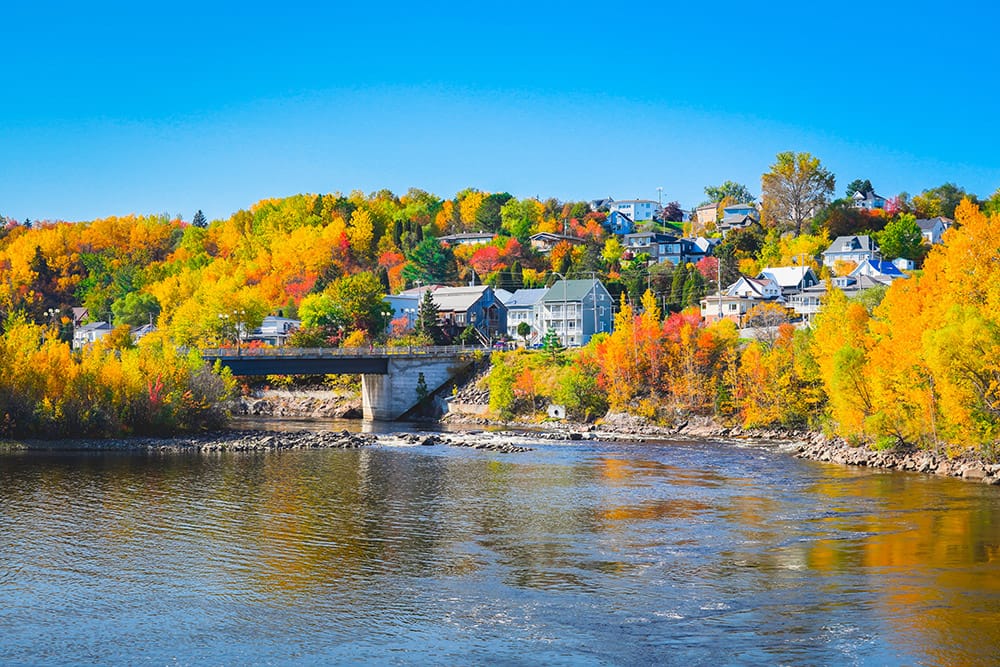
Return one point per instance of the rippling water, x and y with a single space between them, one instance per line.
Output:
587 553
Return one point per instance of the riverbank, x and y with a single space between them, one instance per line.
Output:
253 440
800 443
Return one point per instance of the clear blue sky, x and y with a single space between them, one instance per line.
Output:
116 108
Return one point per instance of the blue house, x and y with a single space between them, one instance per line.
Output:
619 223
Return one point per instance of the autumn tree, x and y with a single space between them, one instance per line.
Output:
940 201
794 190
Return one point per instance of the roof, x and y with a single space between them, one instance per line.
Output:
502 295
569 290
655 237
856 243
551 235
635 201
467 236
928 224
878 267
786 276
458 299
94 326
525 298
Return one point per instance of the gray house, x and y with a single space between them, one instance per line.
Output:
575 310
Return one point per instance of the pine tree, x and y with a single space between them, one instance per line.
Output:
427 319
199 220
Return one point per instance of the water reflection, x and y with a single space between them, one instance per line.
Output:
587 552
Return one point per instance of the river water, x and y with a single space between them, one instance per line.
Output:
581 553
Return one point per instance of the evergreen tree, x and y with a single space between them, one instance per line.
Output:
427 319
199 220
677 287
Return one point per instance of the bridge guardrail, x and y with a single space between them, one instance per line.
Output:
332 352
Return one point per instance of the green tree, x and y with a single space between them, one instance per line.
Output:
427 319
901 238
524 330
431 262
199 220
794 190
136 308
857 185
551 344
353 302
735 192
488 215
519 218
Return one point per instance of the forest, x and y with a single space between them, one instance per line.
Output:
916 364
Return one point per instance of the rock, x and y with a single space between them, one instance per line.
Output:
974 471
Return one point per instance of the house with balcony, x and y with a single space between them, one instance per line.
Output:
791 279
575 310
460 307
521 307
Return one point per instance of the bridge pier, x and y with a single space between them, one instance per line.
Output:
387 397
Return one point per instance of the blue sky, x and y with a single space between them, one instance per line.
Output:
116 108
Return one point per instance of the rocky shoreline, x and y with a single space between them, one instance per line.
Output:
515 437
251 441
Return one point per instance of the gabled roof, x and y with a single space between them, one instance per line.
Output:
458 299
569 290
786 276
877 268
853 243
94 326
756 285
927 224
525 298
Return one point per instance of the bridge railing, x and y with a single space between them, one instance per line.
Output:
336 352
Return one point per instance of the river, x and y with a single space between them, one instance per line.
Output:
574 553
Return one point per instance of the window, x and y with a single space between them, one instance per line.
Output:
732 306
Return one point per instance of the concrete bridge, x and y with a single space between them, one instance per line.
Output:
389 375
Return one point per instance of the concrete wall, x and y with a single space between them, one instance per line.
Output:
388 397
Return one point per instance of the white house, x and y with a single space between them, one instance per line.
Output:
933 229
575 310
857 249
737 299
521 308
274 330
637 209
90 333
790 279
867 200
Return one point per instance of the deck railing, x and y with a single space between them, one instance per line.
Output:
336 352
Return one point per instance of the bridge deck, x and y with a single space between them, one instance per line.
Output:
326 360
